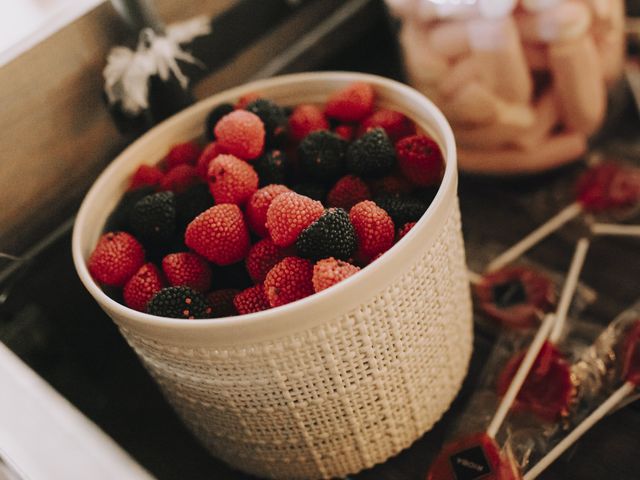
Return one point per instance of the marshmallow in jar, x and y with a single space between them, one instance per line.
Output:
522 82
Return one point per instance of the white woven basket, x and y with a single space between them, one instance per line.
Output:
336 382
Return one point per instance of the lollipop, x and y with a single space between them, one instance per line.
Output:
603 188
630 359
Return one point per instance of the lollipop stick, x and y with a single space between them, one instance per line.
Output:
521 375
619 395
569 288
536 236
613 229
474 278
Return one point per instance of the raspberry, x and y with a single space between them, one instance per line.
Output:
191 203
241 133
322 155
214 116
374 229
608 186
351 104
140 288
330 271
306 119
371 155
231 180
348 191
153 218
183 153
258 206
179 302
346 132
146 176
394 123
402 208
402 231
271 167
246 99
288 281
289 214
251 300
261 258
273 118
187 269
179 178
331 235
221 302
219 234
210 152
420 160
116 258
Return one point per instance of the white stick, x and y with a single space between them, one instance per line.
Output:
536 236
613 229
521 375
580 430
474 278
569 288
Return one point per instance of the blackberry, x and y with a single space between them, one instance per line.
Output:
271 168
153 219
372 155
119 218
314 191
274 118
332 235
401 208
192 203
322 155
214 115
179 302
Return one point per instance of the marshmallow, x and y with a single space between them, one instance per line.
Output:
402 8
539 5
547 117
496 44
465 70
554 152
563 22
425 68
449 39
536 56
578 83
474 104
601 9
611 50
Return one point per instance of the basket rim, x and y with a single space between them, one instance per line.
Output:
436 213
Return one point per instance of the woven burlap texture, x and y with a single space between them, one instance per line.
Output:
339 397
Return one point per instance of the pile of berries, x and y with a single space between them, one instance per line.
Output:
279 204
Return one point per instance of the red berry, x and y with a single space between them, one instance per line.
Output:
289 214
261 258
394 123
183 153
187 269
390 184
306 119
347 132
179 179
146 175
402 231
144 284
351 104
608 186
247 98
251 300
374 229
288 281
231 180
258 206
329 271
348 191
241 133
219 234
420 160
221 302
210 152
116 258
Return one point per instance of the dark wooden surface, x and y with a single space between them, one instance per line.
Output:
52 323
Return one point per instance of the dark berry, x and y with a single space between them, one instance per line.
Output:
179 302
371 155
153 219
271 168
230 276
314 191
331 235
322 155
216 114
402 208
273 117
191 203
119 218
